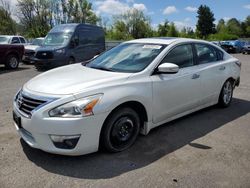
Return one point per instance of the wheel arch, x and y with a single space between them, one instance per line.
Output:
133 104
13 53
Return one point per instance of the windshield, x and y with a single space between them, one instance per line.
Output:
37 42
4 40
57 39
128 57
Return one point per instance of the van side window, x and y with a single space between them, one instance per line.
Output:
181 55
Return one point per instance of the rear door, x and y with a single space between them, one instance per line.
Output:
213 71
174 94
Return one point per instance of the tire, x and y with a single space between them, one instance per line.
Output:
226 94
71 61
12 62
120 130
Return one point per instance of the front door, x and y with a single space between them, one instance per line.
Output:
174 94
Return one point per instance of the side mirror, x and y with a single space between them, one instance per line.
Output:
168 68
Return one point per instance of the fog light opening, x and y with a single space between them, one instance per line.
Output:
65 142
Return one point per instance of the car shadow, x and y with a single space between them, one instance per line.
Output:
158 143
5 70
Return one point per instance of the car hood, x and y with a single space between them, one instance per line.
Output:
31 47
49 48
73 79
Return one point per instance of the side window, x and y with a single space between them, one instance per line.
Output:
75 39
22 40
15 40
181 55
205 53
83 37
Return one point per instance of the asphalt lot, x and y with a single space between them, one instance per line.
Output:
210 148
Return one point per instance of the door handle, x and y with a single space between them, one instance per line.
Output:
195 76
222 68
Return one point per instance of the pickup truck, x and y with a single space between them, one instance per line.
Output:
11 55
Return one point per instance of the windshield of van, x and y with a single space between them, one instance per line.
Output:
127 57
57 39
37 42
4 40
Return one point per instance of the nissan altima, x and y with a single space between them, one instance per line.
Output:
128 90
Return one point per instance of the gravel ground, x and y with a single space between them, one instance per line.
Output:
210 148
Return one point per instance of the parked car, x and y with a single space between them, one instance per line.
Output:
10 55
218 43
246 48
8 39
132 88
31 49
232 46
70 43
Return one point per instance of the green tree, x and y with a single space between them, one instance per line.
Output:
163 28
234 27
134 24
245 27
221 26
205 25
172 32
78 11
35 17
7 24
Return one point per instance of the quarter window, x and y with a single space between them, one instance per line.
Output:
181 55
205 53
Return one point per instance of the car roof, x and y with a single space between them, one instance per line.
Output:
11 36
164 40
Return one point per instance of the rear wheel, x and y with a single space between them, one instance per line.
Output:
226 94
12 62
120 130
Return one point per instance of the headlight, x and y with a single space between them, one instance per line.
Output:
60 51
78 108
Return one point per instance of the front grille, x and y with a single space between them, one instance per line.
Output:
44 55
27 104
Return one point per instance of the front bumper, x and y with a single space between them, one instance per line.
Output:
50 63
36 132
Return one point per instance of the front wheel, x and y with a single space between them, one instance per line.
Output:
71 61
226 94
120 130
12 62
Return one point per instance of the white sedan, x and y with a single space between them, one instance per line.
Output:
130 89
